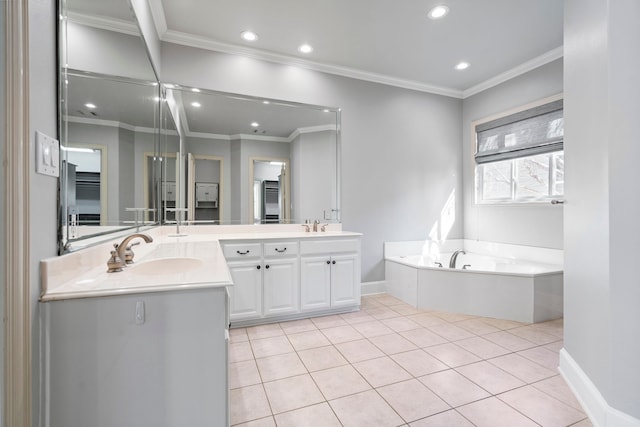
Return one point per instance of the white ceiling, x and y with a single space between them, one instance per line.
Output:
386 41
380 40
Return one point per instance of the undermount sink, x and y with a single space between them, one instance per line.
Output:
162 266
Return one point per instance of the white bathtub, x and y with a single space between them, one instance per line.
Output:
505 287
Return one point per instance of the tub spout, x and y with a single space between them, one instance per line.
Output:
454 257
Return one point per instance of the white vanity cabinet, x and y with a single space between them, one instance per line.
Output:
330 274
290 278
281 278
265 277
245 264
149 359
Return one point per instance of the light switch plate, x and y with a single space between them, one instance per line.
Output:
47 155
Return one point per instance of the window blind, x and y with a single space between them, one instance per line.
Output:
535 131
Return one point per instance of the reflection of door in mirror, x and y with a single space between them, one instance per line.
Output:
85 179
269 193
205 188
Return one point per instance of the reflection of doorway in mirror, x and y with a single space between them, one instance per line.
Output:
162 184
270 183
88 165
205 188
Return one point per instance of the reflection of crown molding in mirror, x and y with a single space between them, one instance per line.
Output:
104 23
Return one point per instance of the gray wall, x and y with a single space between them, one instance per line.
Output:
401 149
533 225
42 189
3 190
602 106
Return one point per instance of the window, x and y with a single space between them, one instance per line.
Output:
519 157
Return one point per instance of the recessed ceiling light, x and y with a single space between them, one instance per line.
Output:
90 105
438 12
255 124
326 110
305 48
196 104
462 66
195 89
266 102
249 36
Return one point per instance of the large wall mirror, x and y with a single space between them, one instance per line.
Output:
247 160
109 123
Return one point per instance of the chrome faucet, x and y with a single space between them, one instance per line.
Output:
119 254
454 256
315 225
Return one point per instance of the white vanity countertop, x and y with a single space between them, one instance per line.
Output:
169 263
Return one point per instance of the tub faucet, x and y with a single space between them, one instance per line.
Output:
454 256
118 256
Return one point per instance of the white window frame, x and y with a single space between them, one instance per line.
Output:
477 168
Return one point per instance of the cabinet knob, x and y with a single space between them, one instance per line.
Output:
266 266
258 267
333 262
328 262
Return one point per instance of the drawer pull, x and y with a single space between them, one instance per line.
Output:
281 250
328 262
243 253
333 262
258 267
266 266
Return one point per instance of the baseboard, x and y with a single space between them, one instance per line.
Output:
592 401
372 288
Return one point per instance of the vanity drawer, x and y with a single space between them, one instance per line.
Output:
280 249
329 246
237 251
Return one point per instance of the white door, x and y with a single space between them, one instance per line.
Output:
345 289
280 282
245 296
315 283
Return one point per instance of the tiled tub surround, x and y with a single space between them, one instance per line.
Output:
391 364
510 282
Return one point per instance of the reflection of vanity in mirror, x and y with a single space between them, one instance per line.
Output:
263 161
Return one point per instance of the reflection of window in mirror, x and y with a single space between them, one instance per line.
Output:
270 191
86 184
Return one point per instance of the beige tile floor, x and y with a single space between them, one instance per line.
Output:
393 365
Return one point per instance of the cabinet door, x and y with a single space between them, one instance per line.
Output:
280 286
315 283
345 283
245 296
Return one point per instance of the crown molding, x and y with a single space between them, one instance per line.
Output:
104 23
159 18
191 40
532 64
